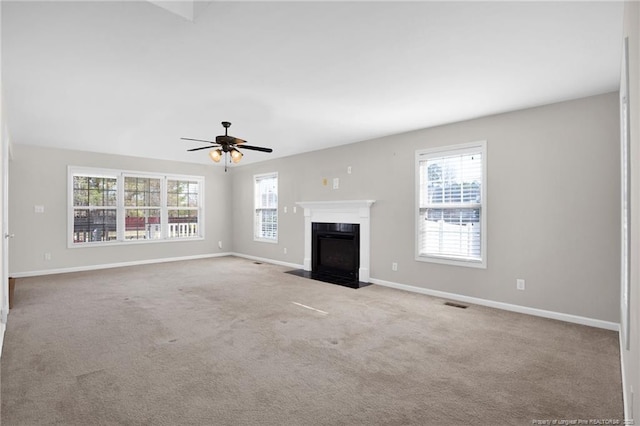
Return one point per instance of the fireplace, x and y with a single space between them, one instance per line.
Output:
343 217
335 252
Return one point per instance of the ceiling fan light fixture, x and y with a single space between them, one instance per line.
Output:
225 144
236 155
215 155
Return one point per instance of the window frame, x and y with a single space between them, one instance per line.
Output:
445 151
103 174
121 208
257 237
167 208
163 196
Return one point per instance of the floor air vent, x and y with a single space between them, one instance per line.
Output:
456 305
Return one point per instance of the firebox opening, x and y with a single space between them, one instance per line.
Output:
336 252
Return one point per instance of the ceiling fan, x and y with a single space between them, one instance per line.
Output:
228 145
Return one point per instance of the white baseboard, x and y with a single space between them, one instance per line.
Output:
112 265
614 326
626 399
3 328
265 260
453 296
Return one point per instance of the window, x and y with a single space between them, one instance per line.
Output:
451 213
94 208
266 207
142 202
113 206
183 205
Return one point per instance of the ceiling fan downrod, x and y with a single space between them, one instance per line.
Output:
226 125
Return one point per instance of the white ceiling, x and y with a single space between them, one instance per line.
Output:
132 78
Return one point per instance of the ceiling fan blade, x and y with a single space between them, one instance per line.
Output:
229 139
256 148
202 147
197 140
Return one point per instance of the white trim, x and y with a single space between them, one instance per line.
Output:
575 319
106 172
133 242
113 265
436 152
435 293
626 401
148 262
614 326
449 260
264 240
5 157
336 204
265 260
625 198
3 328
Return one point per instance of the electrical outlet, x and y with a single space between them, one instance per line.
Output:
394 266
285 250
47 256
38 209
219 244
285 209
336 183
520 284
349 170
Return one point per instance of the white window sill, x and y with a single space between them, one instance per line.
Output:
265 240
131 242
452 261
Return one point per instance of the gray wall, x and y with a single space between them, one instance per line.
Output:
553 206
38 176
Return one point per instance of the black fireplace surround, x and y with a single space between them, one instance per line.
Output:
335 253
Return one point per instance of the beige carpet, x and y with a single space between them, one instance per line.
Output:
228 342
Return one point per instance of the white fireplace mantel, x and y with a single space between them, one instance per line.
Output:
347 211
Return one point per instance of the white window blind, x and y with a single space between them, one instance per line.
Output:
266 207
450 194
